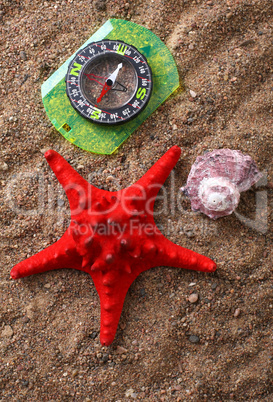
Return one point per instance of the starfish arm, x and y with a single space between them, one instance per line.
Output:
176 256
112 292
155 177
58 255
77 189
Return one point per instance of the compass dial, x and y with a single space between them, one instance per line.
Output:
109 82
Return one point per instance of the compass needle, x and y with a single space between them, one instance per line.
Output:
104 91
110 82
113 76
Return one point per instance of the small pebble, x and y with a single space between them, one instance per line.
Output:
23 55
105 357
189 233
237 312
194 339
3 166
193 94
7 332
191 46
130 393
193 298
120 350
93 334
100 5
109 178
142 292
60 202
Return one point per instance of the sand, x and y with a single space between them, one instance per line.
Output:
218 348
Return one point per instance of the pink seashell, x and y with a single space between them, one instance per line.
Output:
216 180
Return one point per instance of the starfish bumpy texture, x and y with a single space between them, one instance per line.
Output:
112 236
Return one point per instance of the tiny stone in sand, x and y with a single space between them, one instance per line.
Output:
193 298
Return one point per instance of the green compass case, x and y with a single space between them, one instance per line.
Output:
105 139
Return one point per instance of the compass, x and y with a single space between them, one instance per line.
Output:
109 82
121 74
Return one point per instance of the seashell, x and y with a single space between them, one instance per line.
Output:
216 180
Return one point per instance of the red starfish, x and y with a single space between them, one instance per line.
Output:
112 236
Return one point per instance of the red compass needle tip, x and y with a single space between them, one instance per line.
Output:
105 89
